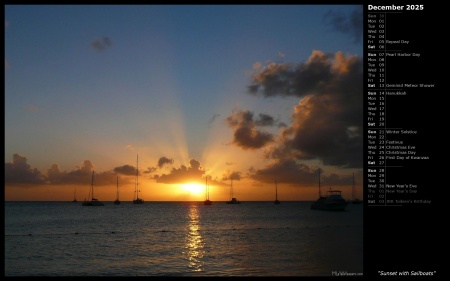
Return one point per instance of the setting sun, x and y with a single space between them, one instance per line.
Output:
194 188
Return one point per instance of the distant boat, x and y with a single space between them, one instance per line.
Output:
91 200
137 200
332 201
276 202
117 201
233 200
207 201
355 200
75 196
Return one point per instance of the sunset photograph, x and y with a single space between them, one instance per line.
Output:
183 140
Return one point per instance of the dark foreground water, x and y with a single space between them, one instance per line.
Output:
181 239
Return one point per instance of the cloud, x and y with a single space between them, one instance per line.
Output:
286 171
20 172
246 134
184 174
213 118
232 175
126 170
101 44
164 160
327 121
81 175
351 25
298 174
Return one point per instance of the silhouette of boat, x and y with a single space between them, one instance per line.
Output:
233 200
75 196
91 200
332 201
276 202
117 201
137 200
207 201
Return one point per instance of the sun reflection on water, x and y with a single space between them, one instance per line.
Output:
194 242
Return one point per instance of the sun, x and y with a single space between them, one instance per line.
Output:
194 188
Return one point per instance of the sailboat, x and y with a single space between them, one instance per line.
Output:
207 201
75 195
332 201
117 201
276 194
233 199
91 200
137 200
355 200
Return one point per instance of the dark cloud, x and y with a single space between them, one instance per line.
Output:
184 174
126 170
286 171
101 44
164 160
264 120
213 118
20 172
246 135
327 122
81 175
232 175
297 174
351 25
150 170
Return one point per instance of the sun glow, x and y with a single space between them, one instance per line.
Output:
194 188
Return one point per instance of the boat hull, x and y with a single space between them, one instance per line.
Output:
233 201
93 203
329 204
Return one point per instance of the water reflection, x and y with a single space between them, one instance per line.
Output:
194 241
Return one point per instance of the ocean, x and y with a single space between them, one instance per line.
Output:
181 239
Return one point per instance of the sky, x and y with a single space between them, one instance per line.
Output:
257 97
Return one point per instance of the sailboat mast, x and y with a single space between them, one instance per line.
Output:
231 189
117 187
320 195
353 187
276 190
92 185
137 176
206 186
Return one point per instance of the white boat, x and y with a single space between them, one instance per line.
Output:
137 200
332 201
207 201
91 200
276 202
117 201
233 200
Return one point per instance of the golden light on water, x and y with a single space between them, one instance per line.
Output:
194 241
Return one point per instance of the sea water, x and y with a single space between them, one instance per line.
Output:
181 239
